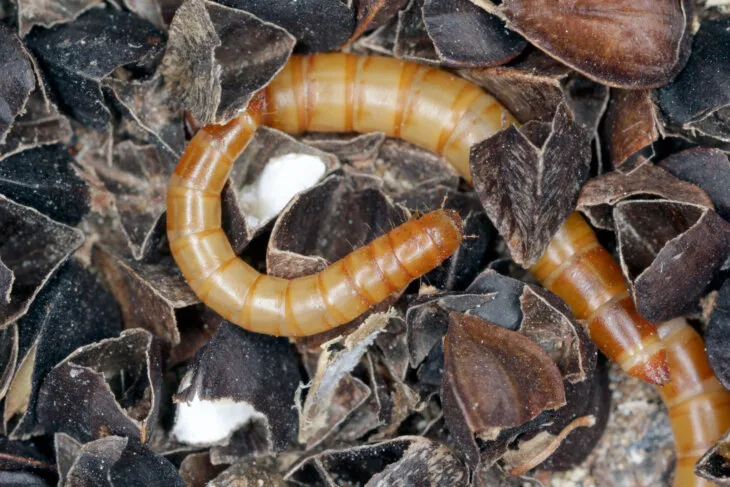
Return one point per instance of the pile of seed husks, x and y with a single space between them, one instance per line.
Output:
113 373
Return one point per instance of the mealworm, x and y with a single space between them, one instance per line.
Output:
699 406
324 93
446 114
341 92
578 269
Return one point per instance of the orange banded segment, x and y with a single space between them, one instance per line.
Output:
699 406
579 270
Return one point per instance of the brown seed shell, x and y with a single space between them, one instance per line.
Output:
491 370
625 43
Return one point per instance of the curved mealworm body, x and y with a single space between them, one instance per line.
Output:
342 92
578 269
699 406
332 92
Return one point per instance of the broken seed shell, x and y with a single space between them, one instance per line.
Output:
17 81
625 44
718 334
120 376
484 368
46 178
487 42
217 58
669 252
27 232
601 194
318 25
528 187
707 168
250 369
71 310
76 66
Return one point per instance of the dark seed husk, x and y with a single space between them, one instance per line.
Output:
600 195
248 367
71 310
46 178
713 465
27 232
21 479
427 321
487 43
17 81
380 464
327 221
121 376
152 113
318 25
66 449
670 253
138 465
549 323
528 187
359 151
717 336
75 65
90 462
531 88
699 89
217 58
411 39
22 456
507 291
406 168
707 168
148 293
115 461
40 124
137 179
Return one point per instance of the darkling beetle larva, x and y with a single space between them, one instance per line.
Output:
341 92
446 114
699 406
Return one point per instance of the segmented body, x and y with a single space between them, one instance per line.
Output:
341 92
699 406
333 92
446 114
578 269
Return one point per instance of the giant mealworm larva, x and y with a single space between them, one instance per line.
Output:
699 406
578 269
342 92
